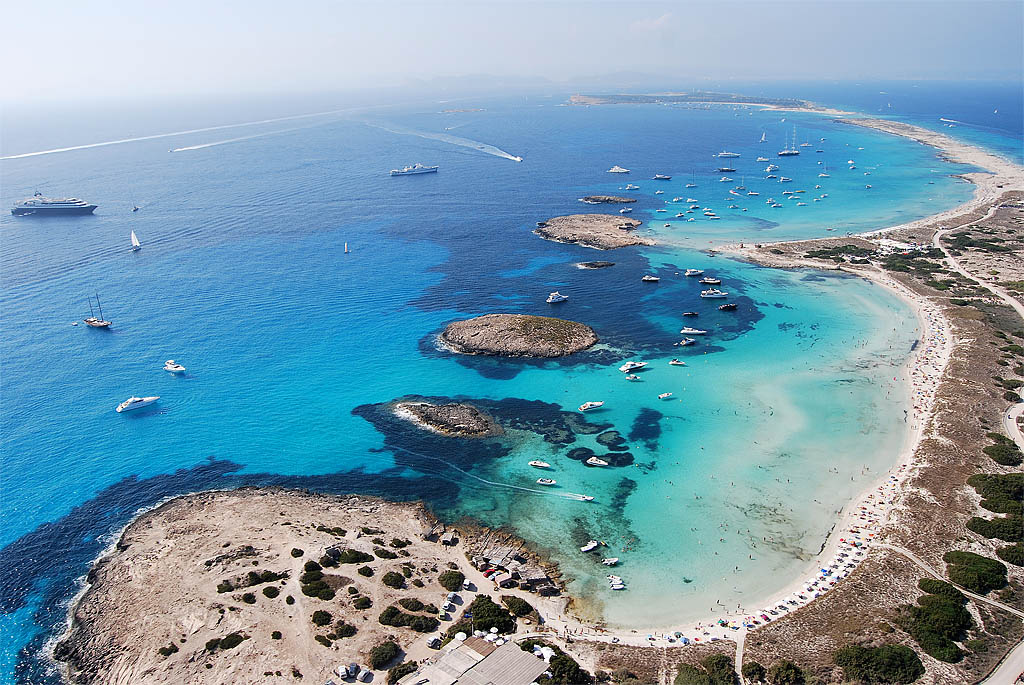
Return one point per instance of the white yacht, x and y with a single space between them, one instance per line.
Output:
632 186
537 464
785 179
753 192
625 210
650 279
587 406
618 170
708 280
713 294
632 366
610 561
659 192
693 272
725 179
173 366
662 177
689 330
686 342
546 481
595 461
664 396
556 297
135 403
692 200
723 155
762 159
676 362
590 546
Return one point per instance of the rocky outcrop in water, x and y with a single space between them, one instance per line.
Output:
606 199
454 419
518 335
594 265
599 231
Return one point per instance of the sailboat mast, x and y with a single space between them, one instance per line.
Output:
92 314
99 306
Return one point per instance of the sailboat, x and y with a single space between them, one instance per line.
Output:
693 181
136 245
762 137
93 320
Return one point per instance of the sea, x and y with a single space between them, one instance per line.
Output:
303 288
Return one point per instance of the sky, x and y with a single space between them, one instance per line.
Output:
107 48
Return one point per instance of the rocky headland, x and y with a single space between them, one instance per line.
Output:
599 231
518 335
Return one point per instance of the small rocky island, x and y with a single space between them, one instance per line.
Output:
594 265
600 231
606 199
455 419
518 335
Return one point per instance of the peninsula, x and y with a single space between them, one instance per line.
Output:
518 335
599 231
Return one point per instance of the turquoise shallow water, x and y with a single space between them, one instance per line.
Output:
291 345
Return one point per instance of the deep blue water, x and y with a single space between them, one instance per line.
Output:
292 346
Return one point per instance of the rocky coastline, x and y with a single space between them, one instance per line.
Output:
518 335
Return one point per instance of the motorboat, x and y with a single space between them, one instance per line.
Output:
785 179
692 200
694 272
689 330
173 366
762 159
625 210
537 464
595 461
686 342
632 366
771 167
661 210
545 481
610 561
556 297
728 307
676 362
650 279
135 403
752 192
618 170
691 185
582 498
664 396
662 177
708 280
725 179
632 186
729 155
659 192
587 406
632 377
590 546
690 314
724 170
713 293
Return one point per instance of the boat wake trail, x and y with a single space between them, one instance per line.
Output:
446 138
236 140
487 482
174 133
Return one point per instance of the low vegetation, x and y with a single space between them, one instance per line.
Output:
976 573
517 605
383 654
393 616
393 580
452 580
716 669
885 664
938 620
400 671
562 667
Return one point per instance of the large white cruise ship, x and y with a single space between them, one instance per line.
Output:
414 169
37 205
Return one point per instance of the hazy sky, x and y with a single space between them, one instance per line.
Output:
113 48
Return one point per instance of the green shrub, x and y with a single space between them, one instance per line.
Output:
786 673
398 543
321 617
289 600
393 616
249 598
563 668
517 605
384 553
168 650
393 580
720 668
328 562
975 572
354 556
1006 528
452 580
276 635
411 604
383 654
885 664
487 615
1000 493
324 640
271 591
400 671
1005 454
362 603
370 531
345 630
691 675
311 566
212 644
296 552
225 586
933 586
365 571
1012 554
937 622
754 672
311 576
231 640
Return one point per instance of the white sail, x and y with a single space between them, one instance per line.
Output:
136 245
762 137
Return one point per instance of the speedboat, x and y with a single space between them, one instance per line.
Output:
618 170
595 461
537 464
135 403
729 307
173 366
632 186
582 498
685 342
693 272
590 546
676 362
664 396
680 215
725 179
661 210
625 210
692 199
785 179
713 293
659 192
725 170
752 192
632 377
556 297
689 330
708 280
650 279
691 185
610 561
762 159
725 154
587 406
545 481
771 167
632 366
662 177
690 314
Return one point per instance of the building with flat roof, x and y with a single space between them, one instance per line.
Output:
476 661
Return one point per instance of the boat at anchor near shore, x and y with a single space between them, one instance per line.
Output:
587 406
538 464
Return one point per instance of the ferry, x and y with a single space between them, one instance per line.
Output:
556 297
414 169
135 403
595 461
537 464
632 366
729 155
713 294
618 170
587 406
37 205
